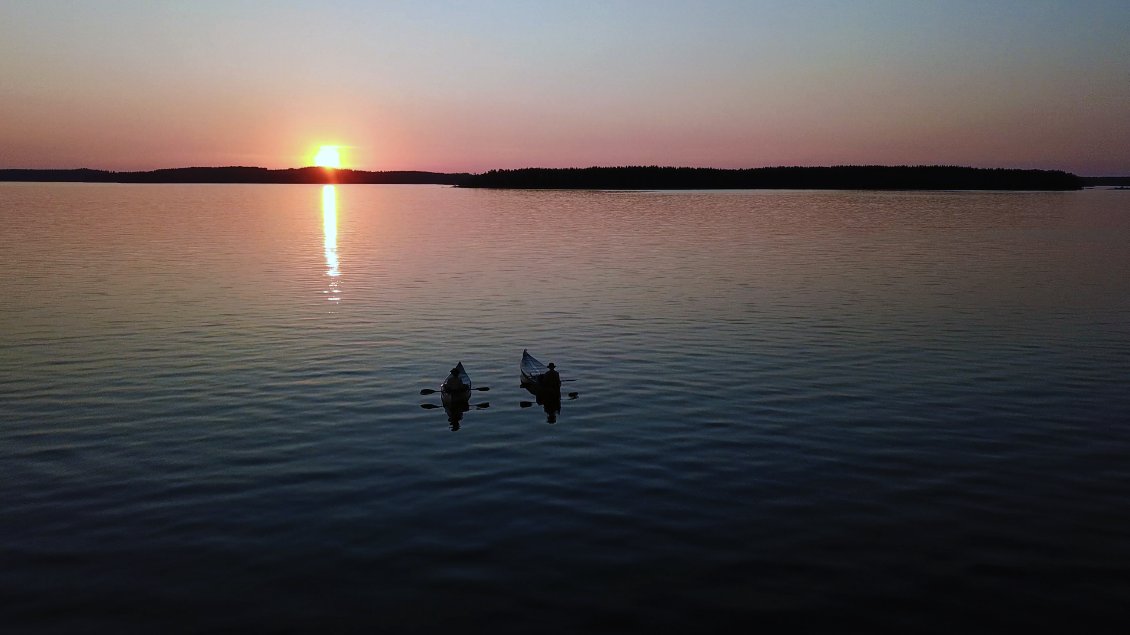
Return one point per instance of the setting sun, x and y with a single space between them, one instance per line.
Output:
328 157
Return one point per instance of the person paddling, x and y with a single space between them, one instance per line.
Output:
454 383
551 379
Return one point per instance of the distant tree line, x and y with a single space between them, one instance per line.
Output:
861 177
852 177
235 175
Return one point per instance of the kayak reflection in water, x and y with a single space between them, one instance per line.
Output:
548 399
455 404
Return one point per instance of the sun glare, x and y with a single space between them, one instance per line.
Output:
328 157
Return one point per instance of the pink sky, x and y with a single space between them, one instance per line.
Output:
469 87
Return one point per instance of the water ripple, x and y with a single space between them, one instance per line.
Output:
796 409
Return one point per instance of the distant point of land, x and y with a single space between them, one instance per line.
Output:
852 177
1118 182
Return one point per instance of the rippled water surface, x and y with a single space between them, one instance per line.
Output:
865 410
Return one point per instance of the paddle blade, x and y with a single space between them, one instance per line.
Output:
428 406
525 404
483 388
428 391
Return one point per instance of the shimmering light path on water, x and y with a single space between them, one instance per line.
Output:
899 410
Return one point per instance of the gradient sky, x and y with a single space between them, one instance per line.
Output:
469 86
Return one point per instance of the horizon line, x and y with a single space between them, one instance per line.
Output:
588 167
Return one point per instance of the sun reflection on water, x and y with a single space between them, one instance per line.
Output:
329 229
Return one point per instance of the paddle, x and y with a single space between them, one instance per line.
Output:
477 406
431 391
527 404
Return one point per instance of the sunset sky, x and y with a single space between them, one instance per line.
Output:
469 86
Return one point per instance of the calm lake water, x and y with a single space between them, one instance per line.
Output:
858 410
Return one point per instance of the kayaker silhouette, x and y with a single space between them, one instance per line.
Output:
453 381
551 379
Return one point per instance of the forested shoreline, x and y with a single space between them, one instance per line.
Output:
605 178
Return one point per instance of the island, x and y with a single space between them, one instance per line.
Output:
236 174
851 177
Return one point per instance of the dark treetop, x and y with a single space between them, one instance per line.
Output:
802 178
621 178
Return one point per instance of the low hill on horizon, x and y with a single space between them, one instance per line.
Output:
852 177
849 177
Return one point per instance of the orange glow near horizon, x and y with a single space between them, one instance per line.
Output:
328 157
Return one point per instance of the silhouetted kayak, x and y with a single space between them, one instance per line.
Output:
545 391
462 388
532 369
533 374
